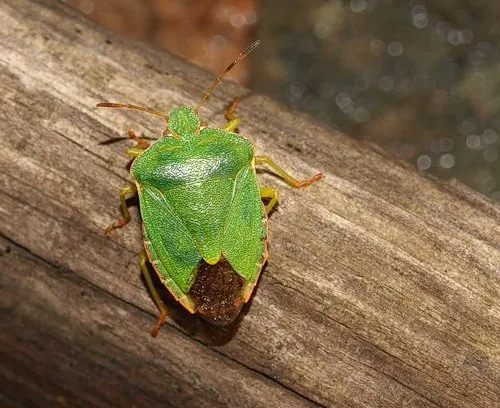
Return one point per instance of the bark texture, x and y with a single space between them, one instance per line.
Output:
381 290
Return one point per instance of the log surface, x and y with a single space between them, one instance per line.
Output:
381 290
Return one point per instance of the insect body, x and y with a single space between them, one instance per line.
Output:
204 222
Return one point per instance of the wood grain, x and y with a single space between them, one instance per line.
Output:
382 287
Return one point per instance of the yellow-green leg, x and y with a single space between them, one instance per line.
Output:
141 145
272 194
284 175
162 317
232 120
128 190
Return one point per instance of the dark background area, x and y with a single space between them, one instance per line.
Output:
419 78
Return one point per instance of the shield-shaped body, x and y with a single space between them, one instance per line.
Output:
204 223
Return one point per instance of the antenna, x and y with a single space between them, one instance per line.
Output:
219 78
129 106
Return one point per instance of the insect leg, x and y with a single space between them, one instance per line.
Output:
232 120
141 142
162 317
284 175
272 193
134 151
141 145
129 189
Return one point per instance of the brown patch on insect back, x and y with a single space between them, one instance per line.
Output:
217 292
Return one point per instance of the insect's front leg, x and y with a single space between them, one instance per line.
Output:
232 120
284 175
128 190
141 145
162 317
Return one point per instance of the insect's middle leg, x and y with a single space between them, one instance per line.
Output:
284 175
232 120
162 317
272 194
128 190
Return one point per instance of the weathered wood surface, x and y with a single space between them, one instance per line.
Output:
382 288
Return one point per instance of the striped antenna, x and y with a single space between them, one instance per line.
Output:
219 78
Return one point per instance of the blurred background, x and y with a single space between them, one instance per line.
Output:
419 78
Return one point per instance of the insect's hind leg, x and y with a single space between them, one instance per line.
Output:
128 190
162 317
232 120
272 194
284 175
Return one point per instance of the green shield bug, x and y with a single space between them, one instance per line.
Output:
203 218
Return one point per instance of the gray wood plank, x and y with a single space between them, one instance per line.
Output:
381 290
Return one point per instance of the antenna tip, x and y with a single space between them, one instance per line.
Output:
252 46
